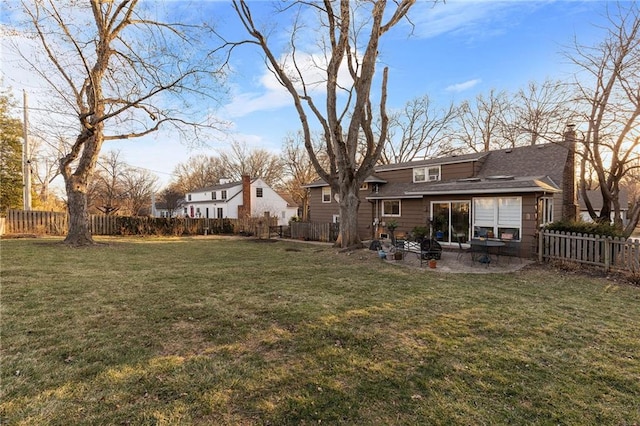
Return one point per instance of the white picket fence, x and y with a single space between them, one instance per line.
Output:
617 254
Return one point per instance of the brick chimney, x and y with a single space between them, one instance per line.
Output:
245 209
569 199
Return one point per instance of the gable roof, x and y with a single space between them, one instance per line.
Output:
218 187
287 197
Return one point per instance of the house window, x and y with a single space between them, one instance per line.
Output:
189 197
450 220
426 174
220 214
326 194
391 208
223 195
433 173
499 217
545 210
213 195
259 192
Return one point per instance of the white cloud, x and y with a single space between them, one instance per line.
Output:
473 18
460 87
271 95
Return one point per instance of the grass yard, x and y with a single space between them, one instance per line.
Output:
232 331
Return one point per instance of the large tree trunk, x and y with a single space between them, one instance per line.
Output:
79 233
349 204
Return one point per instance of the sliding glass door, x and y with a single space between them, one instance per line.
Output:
450 220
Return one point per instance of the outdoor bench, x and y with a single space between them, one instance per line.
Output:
425 250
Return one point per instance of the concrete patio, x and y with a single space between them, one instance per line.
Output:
452 263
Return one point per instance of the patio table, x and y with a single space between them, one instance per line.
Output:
484 246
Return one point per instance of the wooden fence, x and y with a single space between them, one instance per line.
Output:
57 223
609 253
326 232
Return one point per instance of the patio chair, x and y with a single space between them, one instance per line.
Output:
511 250
463 251
430 249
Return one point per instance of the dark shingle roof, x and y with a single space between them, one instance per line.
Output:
217 187
465 186
320 182
533 160
463 158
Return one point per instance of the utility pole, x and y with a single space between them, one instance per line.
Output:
26 163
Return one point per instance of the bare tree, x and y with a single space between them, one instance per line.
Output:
608 88
480 125
105 189
299 171
256 162
172 197
419 130
200 171
542 112
138 186
350 34
115 67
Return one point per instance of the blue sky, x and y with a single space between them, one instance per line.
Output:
456 51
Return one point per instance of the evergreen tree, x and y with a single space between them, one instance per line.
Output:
10 157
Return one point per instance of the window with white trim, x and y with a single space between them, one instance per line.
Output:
259 192
497 217
545 210
326 194
426 174
391 208
223 195
213 195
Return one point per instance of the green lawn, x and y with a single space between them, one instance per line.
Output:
224 331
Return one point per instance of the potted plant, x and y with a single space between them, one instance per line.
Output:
391 227
432 263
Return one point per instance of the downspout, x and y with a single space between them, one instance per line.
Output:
374 225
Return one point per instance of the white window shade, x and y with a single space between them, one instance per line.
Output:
509 211
484 211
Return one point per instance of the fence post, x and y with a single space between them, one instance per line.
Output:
541 235
607 252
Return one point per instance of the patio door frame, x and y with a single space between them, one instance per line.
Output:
448 233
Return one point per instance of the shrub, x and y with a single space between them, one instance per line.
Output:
420 232
580 227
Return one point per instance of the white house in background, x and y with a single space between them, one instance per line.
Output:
233 200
